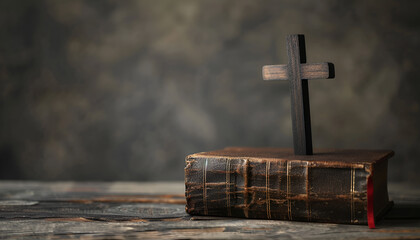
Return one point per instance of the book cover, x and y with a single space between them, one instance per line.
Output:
273 183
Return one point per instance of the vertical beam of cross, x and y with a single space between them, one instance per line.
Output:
298 73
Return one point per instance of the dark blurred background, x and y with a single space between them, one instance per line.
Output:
124 90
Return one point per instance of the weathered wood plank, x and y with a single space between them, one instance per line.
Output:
31 187
69 210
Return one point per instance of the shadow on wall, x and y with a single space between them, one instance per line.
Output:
116 90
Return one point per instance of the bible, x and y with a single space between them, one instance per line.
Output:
335 186
325 185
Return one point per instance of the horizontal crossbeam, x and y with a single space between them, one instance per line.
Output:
307 71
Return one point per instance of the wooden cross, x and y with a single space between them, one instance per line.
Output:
298 72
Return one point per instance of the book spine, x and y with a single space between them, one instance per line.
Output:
276 189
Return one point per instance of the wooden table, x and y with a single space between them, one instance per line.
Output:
121 210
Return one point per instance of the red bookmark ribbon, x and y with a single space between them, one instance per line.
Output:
370 213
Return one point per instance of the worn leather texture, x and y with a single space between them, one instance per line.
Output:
272 183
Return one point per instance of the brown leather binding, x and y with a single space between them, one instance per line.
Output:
273 183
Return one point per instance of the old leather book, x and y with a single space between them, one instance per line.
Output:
335 186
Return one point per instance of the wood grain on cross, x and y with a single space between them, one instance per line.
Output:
298 72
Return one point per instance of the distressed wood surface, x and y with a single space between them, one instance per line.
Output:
39 210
